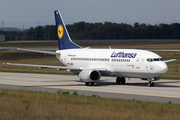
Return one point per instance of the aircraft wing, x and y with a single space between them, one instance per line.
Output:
39 51
44 66
56 67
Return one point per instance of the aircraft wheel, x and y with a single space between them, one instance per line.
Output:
92 83
87 83
123 80
118 80
150 84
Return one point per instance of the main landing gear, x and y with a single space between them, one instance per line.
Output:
150 84
120 80
89 83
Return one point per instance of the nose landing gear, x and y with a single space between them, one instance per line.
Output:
150 84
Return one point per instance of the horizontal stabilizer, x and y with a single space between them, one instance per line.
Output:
38 51
165 50
166 61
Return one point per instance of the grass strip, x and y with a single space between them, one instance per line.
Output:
18 104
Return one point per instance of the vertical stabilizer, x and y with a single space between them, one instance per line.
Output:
64 41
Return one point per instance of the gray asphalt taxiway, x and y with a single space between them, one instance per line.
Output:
165 90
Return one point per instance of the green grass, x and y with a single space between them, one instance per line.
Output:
17 104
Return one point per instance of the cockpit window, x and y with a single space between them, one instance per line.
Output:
154 59
161 59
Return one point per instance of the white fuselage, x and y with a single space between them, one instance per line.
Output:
118 62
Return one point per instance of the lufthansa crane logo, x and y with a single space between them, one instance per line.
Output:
60 31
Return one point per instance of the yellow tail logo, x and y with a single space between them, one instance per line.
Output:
60 31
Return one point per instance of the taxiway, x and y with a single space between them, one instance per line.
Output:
165 90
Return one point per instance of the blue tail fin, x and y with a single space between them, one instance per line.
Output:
64 41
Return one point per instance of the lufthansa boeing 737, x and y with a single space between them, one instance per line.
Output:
91 64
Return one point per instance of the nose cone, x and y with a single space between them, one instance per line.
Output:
162 67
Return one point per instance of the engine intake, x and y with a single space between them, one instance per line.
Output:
89 75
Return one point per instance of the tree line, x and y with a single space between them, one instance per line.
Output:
99 31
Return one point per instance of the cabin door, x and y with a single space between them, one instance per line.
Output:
138 60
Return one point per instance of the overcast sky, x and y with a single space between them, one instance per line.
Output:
19 13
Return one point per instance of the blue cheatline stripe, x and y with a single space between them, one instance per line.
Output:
64 41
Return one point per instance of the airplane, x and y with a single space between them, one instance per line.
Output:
91 64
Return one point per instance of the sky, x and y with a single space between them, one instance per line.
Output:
31 13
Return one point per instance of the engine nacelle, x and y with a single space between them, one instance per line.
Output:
89 75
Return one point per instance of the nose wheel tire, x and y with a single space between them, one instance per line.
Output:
150 84
120 80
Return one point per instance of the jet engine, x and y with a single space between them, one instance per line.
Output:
89 75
